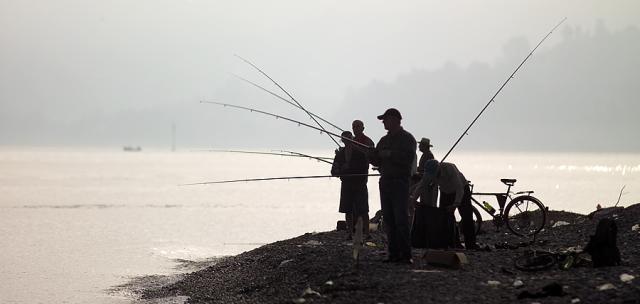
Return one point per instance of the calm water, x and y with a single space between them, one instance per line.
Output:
74 223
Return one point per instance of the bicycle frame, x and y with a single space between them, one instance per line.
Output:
501 197
506 201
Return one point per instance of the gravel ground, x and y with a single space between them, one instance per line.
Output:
319 268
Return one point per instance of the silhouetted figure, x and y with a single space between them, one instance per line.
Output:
360 165
354 197
429 195
424 145
394 155
603 246
454 193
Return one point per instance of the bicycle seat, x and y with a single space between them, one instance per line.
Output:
508 181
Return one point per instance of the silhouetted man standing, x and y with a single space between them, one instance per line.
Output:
361 166
394 155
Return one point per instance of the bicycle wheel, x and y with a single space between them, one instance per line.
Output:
477 220
525 215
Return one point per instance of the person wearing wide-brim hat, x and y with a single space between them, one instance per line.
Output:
424 145
394 155
429 194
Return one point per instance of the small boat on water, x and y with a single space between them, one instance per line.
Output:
131 149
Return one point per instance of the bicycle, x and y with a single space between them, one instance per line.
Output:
524 214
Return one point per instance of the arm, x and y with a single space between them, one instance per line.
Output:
372 154
458 182
422 184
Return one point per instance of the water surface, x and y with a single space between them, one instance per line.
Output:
76 222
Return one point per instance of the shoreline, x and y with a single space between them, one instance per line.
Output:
319 268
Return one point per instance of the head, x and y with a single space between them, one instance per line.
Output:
391 119
346 134
358 127
424 144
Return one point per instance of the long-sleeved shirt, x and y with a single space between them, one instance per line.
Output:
451 180
395 153
448 178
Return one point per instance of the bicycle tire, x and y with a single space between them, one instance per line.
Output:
527 222
477 221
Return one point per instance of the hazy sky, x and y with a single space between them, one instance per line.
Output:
71 70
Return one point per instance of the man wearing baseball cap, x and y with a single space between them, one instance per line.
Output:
394 155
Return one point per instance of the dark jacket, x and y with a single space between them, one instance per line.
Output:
350 162
402 147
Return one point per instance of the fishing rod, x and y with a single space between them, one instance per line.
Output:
285 91
501 87
286 153
358 144
292 153
277 178
285 100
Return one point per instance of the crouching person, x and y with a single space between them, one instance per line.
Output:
454 193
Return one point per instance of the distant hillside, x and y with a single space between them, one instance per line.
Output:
578 92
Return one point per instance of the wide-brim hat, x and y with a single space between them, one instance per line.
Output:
425 141
391 112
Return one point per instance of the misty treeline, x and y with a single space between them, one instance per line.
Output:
577 93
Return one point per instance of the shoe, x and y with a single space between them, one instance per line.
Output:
473 247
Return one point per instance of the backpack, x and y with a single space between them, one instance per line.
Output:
602 246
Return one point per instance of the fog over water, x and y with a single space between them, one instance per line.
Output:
121 72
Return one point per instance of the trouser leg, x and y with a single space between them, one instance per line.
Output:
365 221
466 213
394 195
403 230
349 219
388 217
363 210
447 199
